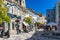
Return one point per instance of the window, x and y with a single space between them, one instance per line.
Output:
48 15
52 11
9 26
20 2
59 9
48 20
13 26
23 2
12 9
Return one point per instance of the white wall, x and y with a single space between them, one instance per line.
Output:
23 4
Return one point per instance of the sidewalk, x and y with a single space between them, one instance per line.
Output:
24 36
12 32
38 35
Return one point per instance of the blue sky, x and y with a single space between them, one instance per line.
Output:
40 5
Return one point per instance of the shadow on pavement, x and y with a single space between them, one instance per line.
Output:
40 35
36 36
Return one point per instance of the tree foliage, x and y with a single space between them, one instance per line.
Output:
28 20
3 12
37 23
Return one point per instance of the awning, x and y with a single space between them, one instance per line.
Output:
17 20
51 23
11 15
26 24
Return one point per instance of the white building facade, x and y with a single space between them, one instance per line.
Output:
17 10
42 20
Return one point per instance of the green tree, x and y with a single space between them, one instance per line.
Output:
37 23
28 20
3 12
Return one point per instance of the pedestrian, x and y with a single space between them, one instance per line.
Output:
17 28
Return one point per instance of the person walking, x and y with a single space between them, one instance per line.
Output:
17 28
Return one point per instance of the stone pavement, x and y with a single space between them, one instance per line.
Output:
13 32
30 36
21 36
38 35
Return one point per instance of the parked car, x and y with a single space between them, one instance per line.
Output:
54 27
51 28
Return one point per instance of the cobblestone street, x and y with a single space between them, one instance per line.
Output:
38 35
21 36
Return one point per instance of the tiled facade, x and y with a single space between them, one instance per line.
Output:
50 13
58 15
